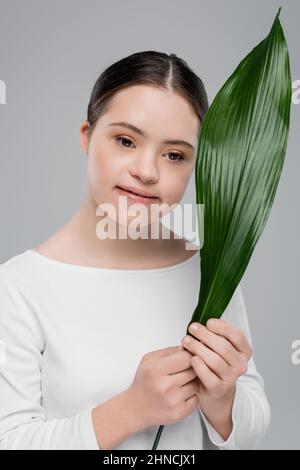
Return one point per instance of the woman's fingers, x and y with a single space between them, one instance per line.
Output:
174 363
190 389
212 360
181 378
235 335
211 383
216 343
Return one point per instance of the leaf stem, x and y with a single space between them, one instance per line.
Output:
160 430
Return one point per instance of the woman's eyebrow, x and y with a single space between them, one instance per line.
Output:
143 134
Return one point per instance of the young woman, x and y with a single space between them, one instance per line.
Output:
91 329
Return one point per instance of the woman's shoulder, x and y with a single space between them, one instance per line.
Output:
14 275
14 265
21 273
19 317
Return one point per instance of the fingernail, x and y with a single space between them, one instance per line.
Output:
186 339
194 326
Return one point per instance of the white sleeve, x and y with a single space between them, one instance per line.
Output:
23 422
251 410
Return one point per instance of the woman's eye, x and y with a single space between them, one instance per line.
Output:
124 139
178 155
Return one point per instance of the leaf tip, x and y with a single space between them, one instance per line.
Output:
278 13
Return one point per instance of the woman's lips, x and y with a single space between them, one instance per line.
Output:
135 198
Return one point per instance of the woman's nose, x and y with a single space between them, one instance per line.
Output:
145 167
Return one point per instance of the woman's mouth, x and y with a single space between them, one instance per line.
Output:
137 198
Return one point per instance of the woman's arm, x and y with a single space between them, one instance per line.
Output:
232 401
23 421
115 420
250 414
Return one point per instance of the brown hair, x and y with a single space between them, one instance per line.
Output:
149 68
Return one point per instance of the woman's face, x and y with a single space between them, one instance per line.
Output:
122 156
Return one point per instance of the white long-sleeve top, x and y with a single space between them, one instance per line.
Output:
72 337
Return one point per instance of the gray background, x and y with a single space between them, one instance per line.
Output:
51 53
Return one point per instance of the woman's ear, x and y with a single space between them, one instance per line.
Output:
84 136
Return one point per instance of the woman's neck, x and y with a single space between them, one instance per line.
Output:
78 242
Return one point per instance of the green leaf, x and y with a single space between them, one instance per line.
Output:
240 155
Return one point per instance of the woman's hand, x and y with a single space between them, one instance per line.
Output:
164 389
221 354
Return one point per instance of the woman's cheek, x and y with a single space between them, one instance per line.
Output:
94 175
176 190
